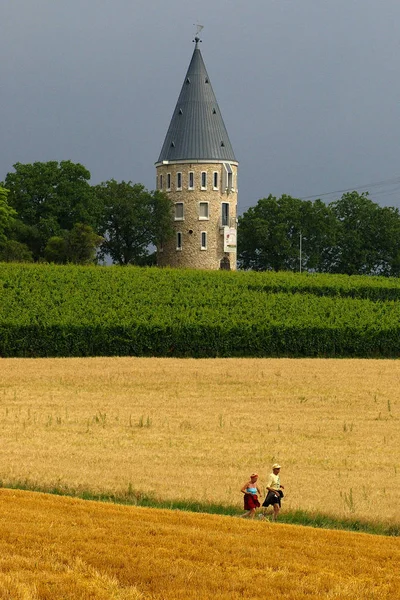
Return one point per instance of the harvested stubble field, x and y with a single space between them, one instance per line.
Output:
63 548
195 429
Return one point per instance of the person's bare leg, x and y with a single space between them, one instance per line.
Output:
276 511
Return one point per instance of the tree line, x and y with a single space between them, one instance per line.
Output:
50 212
352 235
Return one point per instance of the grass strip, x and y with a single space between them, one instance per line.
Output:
136 498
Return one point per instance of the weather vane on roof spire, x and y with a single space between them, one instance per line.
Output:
198 29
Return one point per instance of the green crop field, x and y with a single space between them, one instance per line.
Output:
48 310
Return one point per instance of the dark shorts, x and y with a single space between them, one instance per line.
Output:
251 501
273 498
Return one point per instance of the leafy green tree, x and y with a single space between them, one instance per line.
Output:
368 240
269 234
56 250
321 229
390 238
265 234
78 246
352 235
7 213
10 250
134 219
82 244
49 199
13 251
26 235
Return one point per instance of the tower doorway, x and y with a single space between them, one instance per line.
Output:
225 264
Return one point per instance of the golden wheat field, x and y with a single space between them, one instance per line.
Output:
54 548
195 429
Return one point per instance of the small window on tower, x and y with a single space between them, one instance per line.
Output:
203 240
179 214
203 180
187 80
191 180
161 182
215 180
203 211
179 181
168 182
179 240
225 214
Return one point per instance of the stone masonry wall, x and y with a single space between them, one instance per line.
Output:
192 255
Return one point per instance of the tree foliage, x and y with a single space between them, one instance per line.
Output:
50 198
133 219
7 213
77 246
269 234
352 235
13 251
59 217
368 236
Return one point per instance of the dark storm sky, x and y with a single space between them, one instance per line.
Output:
309 89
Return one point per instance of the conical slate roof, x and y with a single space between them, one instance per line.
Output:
197 130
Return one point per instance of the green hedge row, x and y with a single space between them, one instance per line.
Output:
48 310
197 342
362 287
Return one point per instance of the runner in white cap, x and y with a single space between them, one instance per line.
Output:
274 491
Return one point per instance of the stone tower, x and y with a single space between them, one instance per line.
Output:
198 170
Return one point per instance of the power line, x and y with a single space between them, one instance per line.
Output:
368 186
